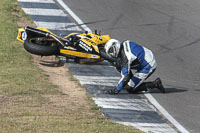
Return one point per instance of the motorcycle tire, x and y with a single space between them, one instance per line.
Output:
42 50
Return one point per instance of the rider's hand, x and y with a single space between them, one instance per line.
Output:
113 91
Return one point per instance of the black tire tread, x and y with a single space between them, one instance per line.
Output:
40 49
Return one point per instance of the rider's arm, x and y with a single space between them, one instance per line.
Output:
124 79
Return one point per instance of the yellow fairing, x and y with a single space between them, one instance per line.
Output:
90 43
79 54
19 37
21 30
100 39
92 39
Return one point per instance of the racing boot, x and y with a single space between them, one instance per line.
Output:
155 84
146 86
158 85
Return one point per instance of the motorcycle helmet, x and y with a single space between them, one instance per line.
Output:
112 47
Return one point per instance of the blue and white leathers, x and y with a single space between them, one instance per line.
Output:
147 64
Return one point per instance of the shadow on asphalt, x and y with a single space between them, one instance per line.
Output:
169 90
100 89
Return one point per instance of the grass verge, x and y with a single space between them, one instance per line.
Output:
26 93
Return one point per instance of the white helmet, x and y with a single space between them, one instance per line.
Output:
112 47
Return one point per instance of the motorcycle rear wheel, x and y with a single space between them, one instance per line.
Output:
39 49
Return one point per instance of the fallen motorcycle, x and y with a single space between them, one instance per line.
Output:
77 46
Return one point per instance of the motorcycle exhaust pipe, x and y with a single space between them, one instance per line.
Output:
37 31
42 33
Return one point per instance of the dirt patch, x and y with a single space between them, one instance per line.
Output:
59 75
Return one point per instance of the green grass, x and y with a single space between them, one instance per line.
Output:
16 68
24 90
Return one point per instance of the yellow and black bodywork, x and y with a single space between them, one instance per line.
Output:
86 45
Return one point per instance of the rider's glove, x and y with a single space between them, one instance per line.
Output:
113 91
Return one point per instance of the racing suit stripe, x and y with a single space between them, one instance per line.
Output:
130 56
149 57
135 81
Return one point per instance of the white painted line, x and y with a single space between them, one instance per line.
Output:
149 96
37 1
58 26
124 104
97 77
100 80
165 113
129 100
97 83
77 19
45 12
151 127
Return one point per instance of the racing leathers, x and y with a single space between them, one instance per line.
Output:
135 57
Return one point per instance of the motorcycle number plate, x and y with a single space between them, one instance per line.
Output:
24 36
